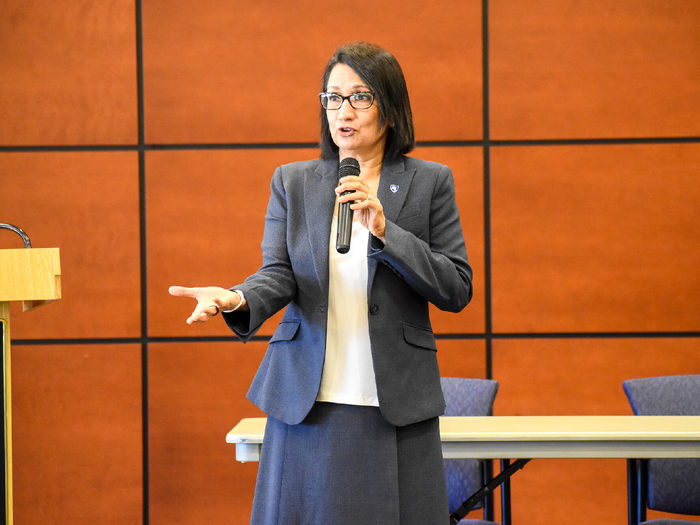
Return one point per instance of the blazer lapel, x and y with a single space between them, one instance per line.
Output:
394 184
393 187
319 202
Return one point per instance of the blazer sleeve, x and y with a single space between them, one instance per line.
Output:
273 286
437 268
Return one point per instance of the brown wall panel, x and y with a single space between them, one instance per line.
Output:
222 71
196 395
582 376
77 438
549 491
462 358
86 204
69 72
578 377
571 69
210 206
205 217
467 168
596 238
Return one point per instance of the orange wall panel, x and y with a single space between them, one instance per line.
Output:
210 206
549 491
196 395
69 72
467 167
221 71
595 238
87 205
582 376
578 377
571 69
462 357
77 434
205 218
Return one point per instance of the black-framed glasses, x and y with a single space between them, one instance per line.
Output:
359 100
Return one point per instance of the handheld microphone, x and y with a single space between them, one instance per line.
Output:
348 166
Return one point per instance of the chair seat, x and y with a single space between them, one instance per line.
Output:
463 477
672 485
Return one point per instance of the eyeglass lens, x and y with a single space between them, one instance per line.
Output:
360 100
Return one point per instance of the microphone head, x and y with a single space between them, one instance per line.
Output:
348 166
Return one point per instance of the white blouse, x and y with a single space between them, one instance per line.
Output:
348 372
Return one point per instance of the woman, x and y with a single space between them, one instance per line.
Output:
350 380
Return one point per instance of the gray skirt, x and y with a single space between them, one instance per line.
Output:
344 464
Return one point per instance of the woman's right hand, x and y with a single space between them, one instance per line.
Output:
210 299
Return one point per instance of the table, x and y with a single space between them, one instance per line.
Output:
510 437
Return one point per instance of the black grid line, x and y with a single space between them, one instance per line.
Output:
488 321
145 484
439 336
492 143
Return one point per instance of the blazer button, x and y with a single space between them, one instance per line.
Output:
374 309
321 309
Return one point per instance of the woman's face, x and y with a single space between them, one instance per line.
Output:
356 132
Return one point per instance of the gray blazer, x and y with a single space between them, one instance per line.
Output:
424 261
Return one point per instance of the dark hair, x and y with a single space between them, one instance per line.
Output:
381 72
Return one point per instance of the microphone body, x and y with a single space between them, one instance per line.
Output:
348 166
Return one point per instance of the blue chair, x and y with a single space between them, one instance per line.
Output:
668 485
464 477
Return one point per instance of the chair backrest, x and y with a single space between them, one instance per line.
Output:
673 485
466 397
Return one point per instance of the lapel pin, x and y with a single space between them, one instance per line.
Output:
394 188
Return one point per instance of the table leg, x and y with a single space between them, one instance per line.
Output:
632 492
489 503
507 470
505 495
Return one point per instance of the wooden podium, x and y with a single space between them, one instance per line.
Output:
33 276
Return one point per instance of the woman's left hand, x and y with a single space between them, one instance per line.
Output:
365 203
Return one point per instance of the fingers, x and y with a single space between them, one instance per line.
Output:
370 211
200 293
182 291
203 313
210 301
364 200
221 303
364 203
361 195
352 185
